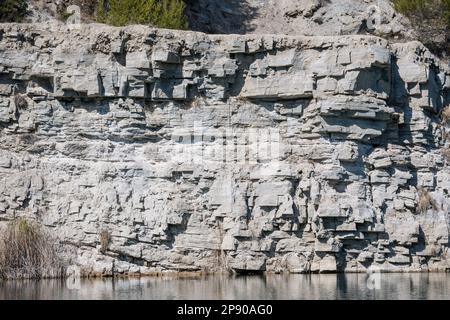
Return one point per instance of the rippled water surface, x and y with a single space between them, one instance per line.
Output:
323 286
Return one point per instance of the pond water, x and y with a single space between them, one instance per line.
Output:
317 286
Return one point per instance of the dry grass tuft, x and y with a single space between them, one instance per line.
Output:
446 115
197 102
105 239
446 154
20 102
27 252
425 201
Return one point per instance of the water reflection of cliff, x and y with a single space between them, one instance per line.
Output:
323 286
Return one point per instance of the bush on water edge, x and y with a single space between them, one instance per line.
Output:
27 252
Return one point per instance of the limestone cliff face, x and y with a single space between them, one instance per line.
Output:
194 152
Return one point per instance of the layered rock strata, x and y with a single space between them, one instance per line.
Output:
145 150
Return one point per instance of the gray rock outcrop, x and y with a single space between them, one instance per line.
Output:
197 152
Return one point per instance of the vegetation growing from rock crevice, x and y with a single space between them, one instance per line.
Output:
431 20
159 13
13 10
446 115
105 239
27 252
425 201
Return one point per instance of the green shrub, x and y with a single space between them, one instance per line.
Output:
409 6
158 13
13 10
426 9
447 11
431 21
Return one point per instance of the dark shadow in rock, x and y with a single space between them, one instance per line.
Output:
399 99
133 260
173 230
100 107
45 83
434 88
420 245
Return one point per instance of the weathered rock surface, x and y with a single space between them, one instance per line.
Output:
209 153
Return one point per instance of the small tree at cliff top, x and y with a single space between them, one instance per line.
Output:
159 13
425 9
431 21
13 10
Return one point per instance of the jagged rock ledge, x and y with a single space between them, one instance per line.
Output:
147 151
